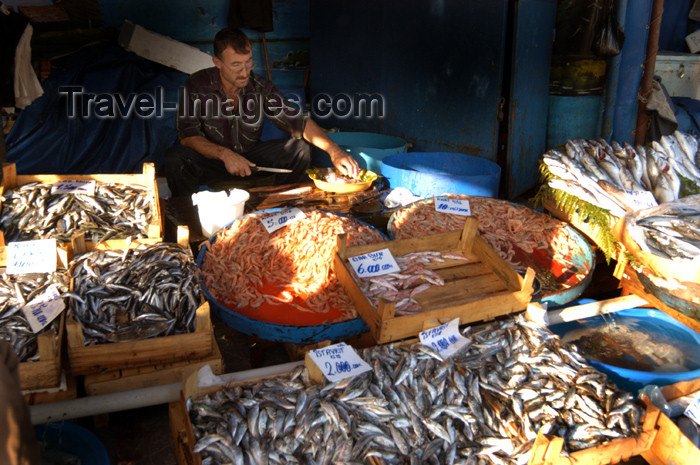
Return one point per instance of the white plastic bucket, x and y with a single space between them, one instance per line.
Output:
216 209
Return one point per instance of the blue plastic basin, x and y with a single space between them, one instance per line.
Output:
435 173
69 438
661 327
368 148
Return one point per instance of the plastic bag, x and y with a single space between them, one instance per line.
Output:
609 37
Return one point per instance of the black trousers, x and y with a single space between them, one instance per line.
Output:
186 170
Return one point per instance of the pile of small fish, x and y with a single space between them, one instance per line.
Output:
15 292
670 231
414 277
604 174
134 293
485 404
116 211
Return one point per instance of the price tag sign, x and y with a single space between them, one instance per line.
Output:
445 339
31 256
374 264
281 219
44 309
339 361
642 200
73 186
692 411
454 206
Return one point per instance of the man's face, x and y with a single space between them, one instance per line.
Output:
235 67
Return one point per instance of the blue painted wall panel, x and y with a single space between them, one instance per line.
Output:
532 55
438 65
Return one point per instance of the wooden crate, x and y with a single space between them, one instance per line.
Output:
670 445
45 372
147 179
65 391
154 375
99 358
547 449
480 288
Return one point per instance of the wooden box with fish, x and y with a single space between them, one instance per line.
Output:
486 403
111 211
671 445
447 275
40 354
136 307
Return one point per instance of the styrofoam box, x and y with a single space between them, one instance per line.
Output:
162 49
680 73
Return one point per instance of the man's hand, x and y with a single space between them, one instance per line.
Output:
236 164
345 163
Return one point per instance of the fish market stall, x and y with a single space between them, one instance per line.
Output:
561 258
494 399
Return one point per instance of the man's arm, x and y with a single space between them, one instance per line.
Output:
235 163
341 159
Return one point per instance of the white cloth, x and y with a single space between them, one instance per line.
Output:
27 86
399 196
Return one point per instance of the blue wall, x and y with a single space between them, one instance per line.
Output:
197 22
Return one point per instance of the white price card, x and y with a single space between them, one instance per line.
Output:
641 200
339 361
74 186
281 219
374 263
37 256
445 339
692 411
455 206
43 309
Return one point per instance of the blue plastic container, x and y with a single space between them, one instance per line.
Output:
280 332
573 116
69 438
369 149
435 173
660 327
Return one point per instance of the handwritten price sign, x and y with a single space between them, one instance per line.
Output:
374 264
44 309
73 186
339 361
642 200
445 339
454 206
281 219
31 256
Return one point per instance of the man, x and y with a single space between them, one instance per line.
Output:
220 122
18 445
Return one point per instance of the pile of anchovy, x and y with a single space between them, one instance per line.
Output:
485 404
134 294
15 292
116 211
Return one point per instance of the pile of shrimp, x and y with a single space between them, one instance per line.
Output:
502 225
296 260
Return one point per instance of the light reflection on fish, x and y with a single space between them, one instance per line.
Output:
483 405
134 293
116 211
15 292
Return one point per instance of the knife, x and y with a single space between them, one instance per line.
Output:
271 170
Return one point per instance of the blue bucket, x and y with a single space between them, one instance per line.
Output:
280 332
69 438
660 327
367 148
436 173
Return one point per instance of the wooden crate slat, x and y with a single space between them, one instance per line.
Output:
96 358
